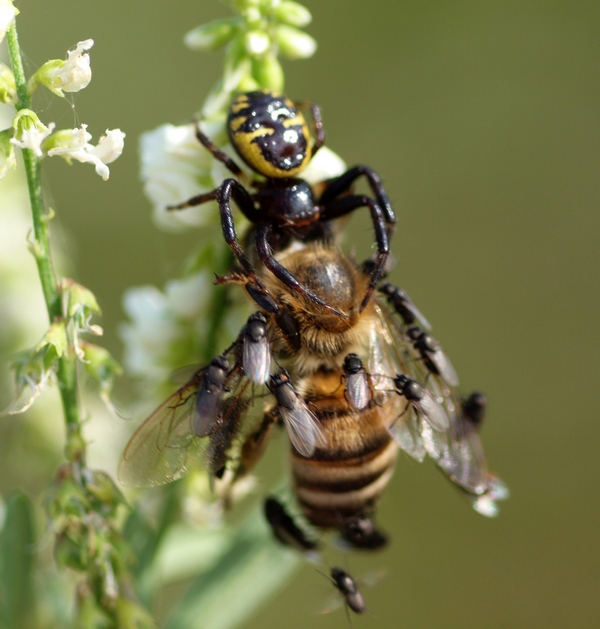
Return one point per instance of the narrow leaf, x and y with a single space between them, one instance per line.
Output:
251 569
17 561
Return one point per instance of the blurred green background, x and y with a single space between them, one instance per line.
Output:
483 120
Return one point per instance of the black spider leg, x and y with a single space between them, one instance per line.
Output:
217 153
318 130
265 253
223 194
344 183
345 205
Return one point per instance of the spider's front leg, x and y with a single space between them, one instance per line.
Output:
344 183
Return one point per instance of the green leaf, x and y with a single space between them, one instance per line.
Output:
250 570
16 551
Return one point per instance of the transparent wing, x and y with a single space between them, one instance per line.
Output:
443 434
257 360
357 390
163 447
444 366
166 446
458 451
303 428
433 412
407 433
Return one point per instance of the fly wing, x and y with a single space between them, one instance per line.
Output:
257 359
357 390
445 367
303 428
433 412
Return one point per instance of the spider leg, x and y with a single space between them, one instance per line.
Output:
318 131
281 273
344 183
217 153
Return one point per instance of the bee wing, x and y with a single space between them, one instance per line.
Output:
406 433
458 450
464 462
167 446
390 352
445 434
303 428
163 447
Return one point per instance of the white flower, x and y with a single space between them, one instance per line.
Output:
324 165
74 144
164 326
110 146
174 168
7 15
32 137
71 75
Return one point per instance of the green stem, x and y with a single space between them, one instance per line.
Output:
66 373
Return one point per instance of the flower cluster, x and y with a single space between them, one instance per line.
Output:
29 132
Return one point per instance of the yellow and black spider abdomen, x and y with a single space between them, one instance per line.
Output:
269 134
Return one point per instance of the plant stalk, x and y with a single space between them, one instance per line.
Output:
66 371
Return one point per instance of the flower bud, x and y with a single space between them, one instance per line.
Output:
8 161
8 89
293 13
212 36
257 43
30 132
268 73
293 43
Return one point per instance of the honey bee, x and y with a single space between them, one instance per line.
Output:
349 390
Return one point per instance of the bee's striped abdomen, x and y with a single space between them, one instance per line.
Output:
346 477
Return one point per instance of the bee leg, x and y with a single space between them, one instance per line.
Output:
345 205
281 273
344 184
255 444
318 131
